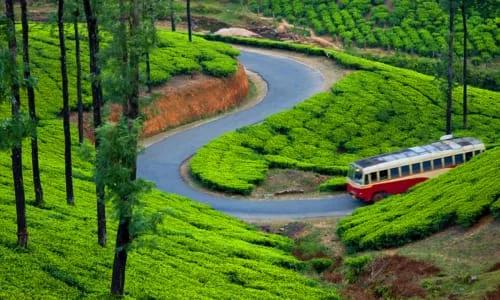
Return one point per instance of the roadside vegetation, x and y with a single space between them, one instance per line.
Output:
377 109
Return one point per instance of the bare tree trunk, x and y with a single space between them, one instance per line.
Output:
76 15
17 163
172 16
67 134
190 25
31 106
464 103
449 92
93 33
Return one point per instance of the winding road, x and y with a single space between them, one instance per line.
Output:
289 82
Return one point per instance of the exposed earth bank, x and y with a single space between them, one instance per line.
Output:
184 99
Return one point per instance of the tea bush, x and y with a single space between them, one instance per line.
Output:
334 184
196 253
411 26
460 197
377 109
173 56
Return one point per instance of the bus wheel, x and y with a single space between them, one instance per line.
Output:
378 196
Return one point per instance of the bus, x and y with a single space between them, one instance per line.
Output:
374 178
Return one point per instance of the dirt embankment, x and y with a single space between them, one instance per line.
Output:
184 99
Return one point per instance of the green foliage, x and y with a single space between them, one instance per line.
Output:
310 246
410 26
495 209
461 197
14 130
333 184
375 110
174 55
196 251
320 264
355 266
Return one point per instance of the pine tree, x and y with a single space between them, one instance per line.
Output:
97 102
31 105
65 91
16 150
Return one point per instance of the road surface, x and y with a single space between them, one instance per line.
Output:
289 82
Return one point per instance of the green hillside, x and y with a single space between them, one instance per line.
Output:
371 111
412 26
173 56
460 197
196 253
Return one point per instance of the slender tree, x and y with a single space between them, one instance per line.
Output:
17 163
130 58
97 100
67 133
463 10
449 90
31 106
76 16
189 21
172 16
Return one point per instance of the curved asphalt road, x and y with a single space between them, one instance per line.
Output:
289 82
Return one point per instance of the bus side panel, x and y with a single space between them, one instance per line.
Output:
392 187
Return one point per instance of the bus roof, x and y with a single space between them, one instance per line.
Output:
420 151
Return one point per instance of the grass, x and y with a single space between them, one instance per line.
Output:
460 197
354 120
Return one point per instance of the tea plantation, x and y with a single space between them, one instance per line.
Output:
173 56
458 197
196 253
411 26
376 109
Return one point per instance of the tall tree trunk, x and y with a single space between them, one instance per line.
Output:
172 16
148 73
190 26
93 33
67 133
17 163
76 15
464 75
449 92
31 106
131 111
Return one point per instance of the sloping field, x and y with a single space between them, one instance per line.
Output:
196 253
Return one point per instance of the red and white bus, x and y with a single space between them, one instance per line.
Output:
374 178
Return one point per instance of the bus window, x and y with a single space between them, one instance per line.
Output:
459 159
468 156
373 177
427 166
438 163
415 168
448 161
405 170
366 179
384 175
394 172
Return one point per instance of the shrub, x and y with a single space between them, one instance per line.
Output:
334 184
320 264
355 266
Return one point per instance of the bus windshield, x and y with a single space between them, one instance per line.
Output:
355 174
